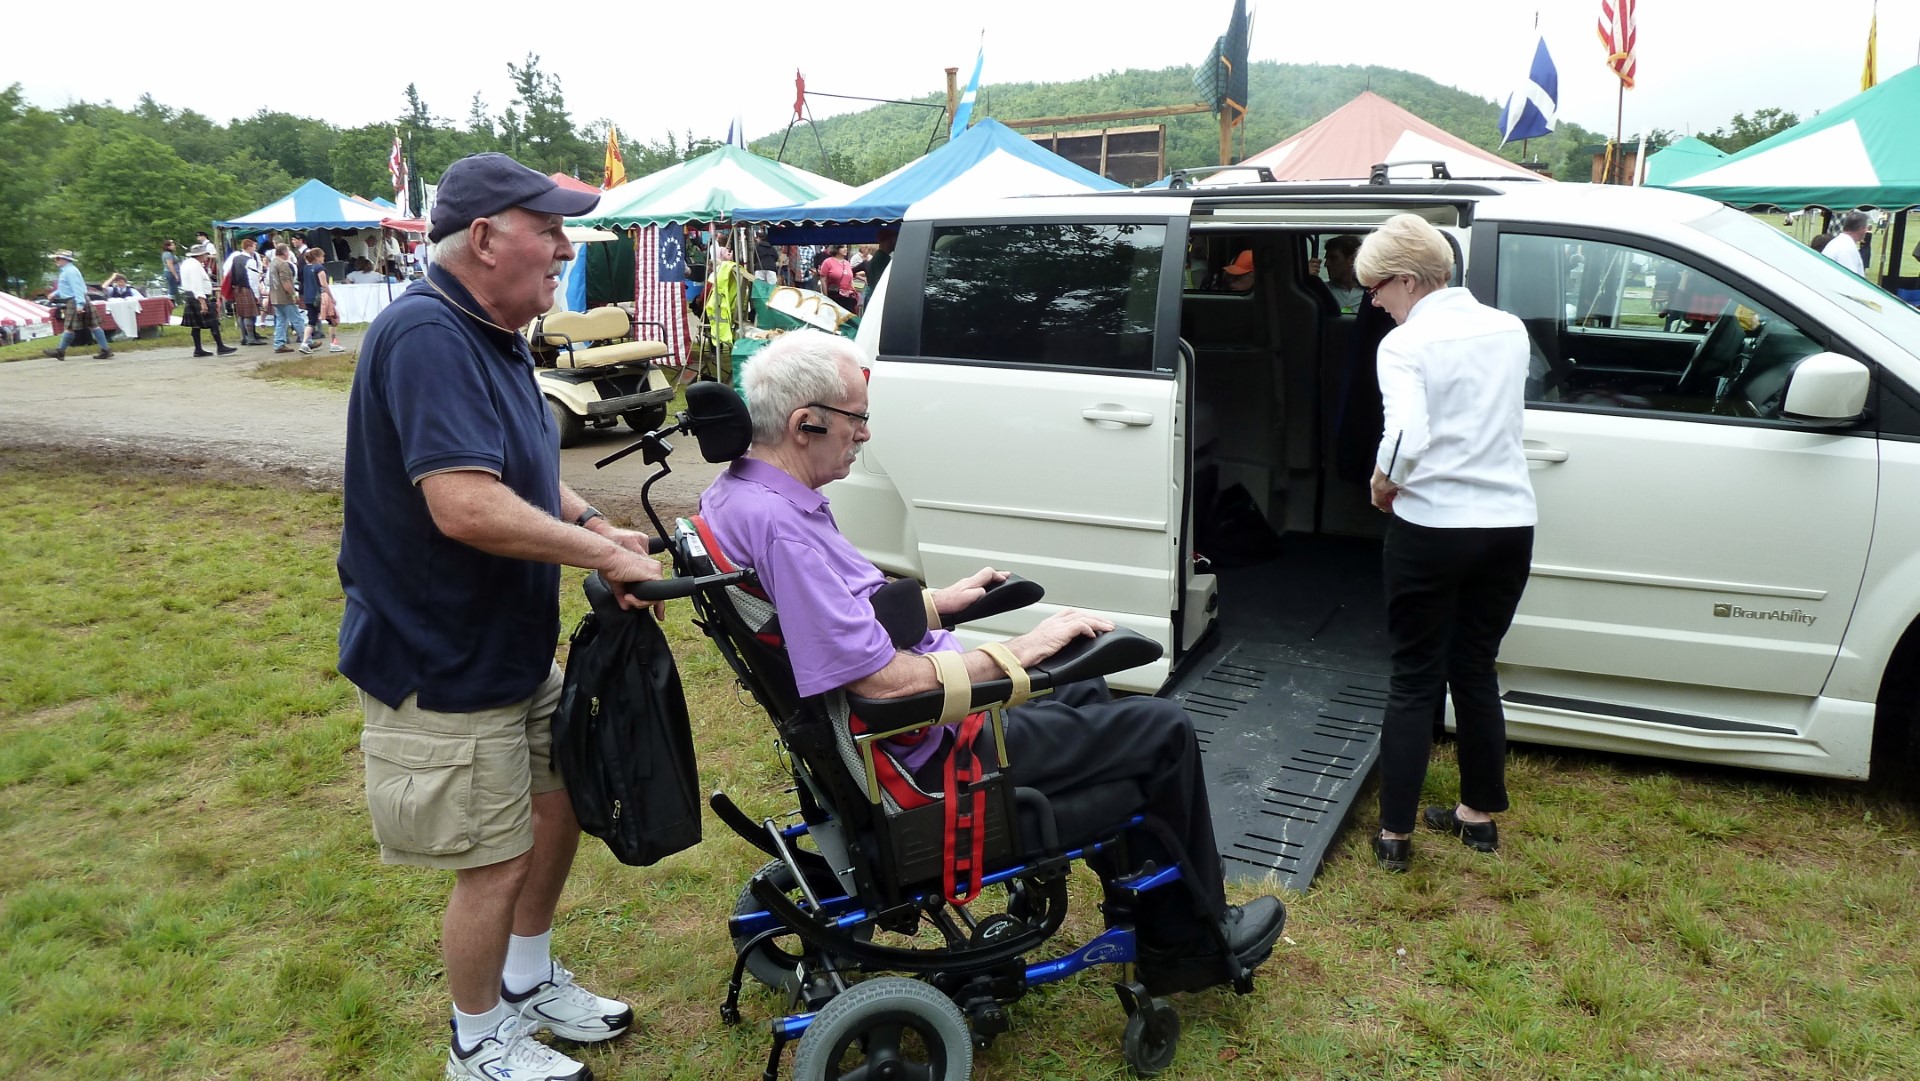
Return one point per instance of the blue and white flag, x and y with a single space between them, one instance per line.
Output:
672 268
1529 111
737 132
963 112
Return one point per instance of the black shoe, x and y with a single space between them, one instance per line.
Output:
1251 931
1479 836
225 351
201 353
1394 855
104 354
57 354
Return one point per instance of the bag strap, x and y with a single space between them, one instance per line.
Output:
964 840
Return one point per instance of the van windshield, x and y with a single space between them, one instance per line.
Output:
1888 314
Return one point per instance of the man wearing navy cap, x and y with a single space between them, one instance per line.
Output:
456 523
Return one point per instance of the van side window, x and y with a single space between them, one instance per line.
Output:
1612 326
1071 295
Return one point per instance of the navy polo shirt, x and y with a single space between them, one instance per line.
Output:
439 390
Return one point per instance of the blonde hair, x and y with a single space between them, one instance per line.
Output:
1405 244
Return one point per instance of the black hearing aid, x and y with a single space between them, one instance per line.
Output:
816 429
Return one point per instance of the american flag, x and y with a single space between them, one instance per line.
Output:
397 169
660 287
1618 34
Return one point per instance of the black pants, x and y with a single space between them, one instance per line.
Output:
1080 736
1451 594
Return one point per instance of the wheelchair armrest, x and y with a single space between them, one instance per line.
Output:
1082 658
1005 596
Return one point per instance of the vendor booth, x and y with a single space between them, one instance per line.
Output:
1370 130
346 228
23 320
1860 154
989 160
652 213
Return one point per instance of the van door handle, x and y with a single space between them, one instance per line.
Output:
1113 414
1545 454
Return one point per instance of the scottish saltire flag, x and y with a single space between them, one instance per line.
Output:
1529 110
659 286
737 132
963 112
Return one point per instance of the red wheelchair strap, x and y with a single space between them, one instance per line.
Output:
964 843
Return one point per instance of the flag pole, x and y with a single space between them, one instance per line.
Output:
1619 116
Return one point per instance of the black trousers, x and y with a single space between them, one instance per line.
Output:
1080 735
1451 594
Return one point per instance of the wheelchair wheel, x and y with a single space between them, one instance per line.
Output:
770 962
1153 1032
885 1028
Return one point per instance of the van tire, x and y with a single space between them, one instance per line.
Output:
570 425
1896 722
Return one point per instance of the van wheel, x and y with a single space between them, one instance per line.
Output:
1896 722
564 419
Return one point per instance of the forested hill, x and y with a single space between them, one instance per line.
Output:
1285 99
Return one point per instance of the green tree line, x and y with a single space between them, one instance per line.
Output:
112 182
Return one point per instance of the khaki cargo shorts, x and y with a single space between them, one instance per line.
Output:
455 790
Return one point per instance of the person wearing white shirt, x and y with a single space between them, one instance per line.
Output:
1452 472
1845 248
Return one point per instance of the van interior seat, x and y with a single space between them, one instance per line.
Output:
559 340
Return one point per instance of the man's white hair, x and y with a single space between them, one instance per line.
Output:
800 366
453 247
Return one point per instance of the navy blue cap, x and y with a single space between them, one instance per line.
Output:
482 185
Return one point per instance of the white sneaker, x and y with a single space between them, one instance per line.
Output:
336 347
305 348
512 1054
569 1010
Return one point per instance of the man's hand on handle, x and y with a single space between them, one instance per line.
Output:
1053 633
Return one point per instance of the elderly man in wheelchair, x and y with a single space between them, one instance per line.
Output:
928 776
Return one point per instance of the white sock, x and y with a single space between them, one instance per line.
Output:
528 962
470 1028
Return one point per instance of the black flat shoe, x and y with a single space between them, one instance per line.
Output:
1479 836
1393 855
1251 931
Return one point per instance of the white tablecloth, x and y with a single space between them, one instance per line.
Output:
360 303
126 314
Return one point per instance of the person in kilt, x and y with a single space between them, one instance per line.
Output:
243 274
76 311
202 303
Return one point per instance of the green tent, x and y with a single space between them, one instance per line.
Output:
1681 160
1862 152
708 188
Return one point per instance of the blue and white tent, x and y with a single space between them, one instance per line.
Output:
989 160
312 205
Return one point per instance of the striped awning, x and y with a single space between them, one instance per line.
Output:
22 312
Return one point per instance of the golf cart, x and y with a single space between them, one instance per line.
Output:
595 371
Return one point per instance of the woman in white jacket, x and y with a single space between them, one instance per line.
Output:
202 305
1453 473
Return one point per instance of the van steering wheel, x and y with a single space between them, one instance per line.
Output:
1716 354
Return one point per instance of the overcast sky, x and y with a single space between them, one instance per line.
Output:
653 67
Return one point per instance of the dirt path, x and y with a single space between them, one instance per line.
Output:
214 413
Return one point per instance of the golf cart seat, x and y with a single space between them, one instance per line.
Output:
559 340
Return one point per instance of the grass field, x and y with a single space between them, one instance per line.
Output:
190 889
165 338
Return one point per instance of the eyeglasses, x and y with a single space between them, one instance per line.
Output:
1377 286
858 418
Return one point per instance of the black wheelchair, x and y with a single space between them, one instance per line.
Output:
872 852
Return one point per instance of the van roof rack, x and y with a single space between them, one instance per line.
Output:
1177 180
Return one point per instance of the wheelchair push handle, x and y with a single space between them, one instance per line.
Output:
669 589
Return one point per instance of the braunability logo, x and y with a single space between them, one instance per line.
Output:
1734 611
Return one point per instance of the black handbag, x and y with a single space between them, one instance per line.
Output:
621 736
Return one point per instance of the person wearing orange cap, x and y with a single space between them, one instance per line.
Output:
1239 273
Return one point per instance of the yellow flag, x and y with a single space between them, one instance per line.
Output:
616 171
1868 74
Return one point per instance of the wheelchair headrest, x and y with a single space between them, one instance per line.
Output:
717 416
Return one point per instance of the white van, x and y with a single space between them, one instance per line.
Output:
1724 429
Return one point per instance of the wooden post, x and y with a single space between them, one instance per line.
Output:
953 92
1619 114
1226 135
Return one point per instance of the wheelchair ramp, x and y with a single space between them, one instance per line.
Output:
1288 704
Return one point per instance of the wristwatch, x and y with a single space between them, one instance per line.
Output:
588 515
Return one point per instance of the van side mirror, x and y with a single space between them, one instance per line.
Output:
1827 389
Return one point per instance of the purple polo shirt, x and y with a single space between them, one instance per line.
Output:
765 519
